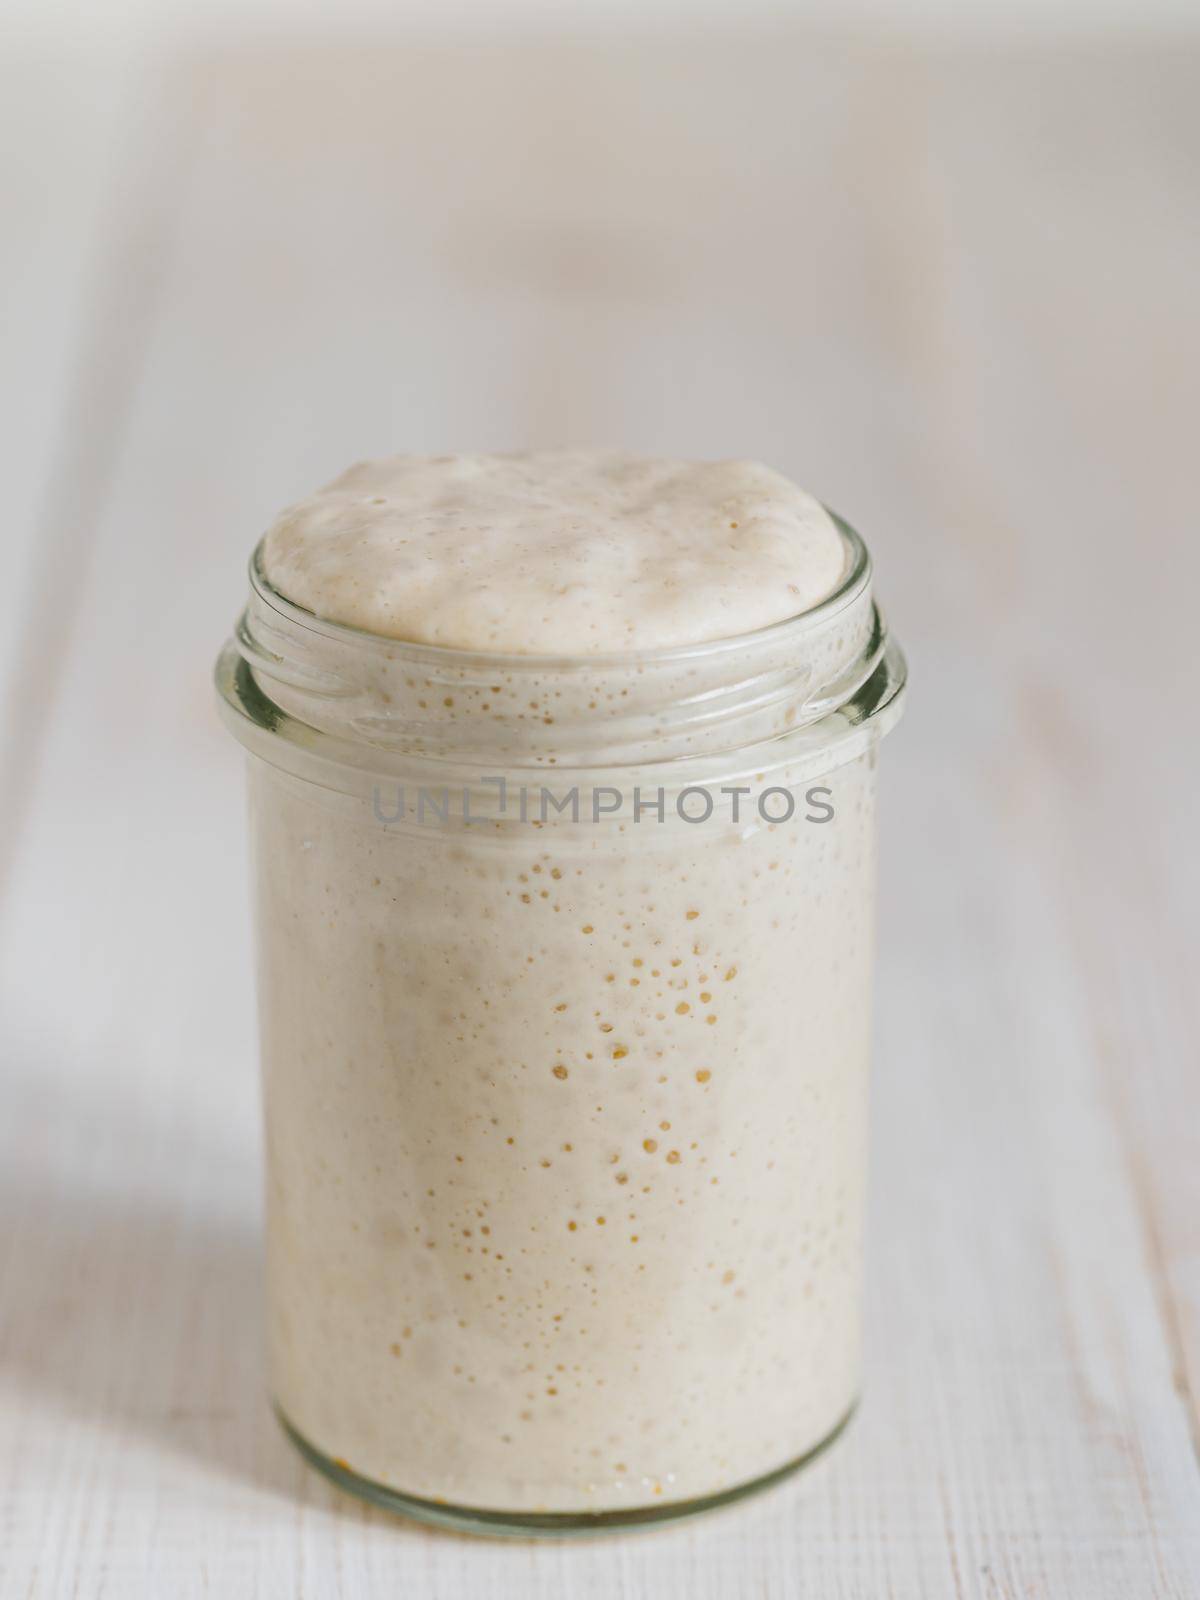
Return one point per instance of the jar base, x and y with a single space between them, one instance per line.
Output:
537 1524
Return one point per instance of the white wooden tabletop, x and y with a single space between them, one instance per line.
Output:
950 289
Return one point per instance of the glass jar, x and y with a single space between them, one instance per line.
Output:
564 980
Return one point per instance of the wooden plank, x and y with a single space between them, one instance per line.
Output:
62 127
895 275
1057 388
1107 341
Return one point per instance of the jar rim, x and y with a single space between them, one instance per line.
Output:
306 692
856 578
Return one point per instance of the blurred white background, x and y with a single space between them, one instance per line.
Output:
56 17
939 263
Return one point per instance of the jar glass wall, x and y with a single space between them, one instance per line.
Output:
564 975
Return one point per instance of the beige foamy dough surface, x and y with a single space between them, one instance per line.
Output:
573 552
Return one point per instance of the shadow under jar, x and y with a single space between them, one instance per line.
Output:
564 977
